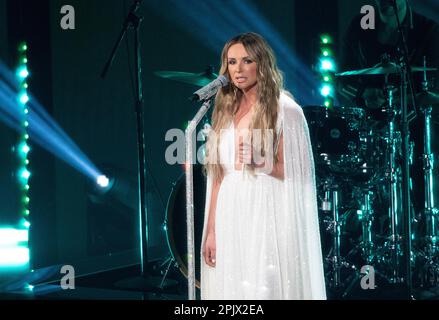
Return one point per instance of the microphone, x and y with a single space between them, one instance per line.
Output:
208 91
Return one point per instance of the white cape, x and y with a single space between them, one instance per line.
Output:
298 236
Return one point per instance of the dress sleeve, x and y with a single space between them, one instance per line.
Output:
302 233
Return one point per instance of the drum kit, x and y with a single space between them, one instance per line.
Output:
359 187
359 184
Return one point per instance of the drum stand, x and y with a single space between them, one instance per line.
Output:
366 245
330 204
430 211
168 262
393 245
430 252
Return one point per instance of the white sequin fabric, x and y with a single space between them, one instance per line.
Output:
267 232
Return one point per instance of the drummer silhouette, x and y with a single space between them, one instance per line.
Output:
365 49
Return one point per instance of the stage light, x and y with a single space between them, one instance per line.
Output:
22 47
327 65
22 72
25 174
326 90
24 98
23 149
328 102
12 237
14 257
326 52
103 181
326 39
26 224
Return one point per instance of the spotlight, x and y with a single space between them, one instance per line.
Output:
103 181
24 98
24 148
25 174
327 65
120 189
23 73
326 90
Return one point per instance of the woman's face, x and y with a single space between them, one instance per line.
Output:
242 69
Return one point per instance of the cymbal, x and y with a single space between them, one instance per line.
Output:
381 68
196 79
427 98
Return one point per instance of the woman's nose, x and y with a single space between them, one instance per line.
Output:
239 66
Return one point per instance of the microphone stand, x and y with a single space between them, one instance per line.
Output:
190 151
406 78
144 282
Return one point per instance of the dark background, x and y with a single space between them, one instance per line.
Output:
68 228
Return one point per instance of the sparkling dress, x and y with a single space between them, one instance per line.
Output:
258 249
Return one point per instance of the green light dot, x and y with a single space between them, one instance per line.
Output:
326 78
26 124
22 47
27 187
27 161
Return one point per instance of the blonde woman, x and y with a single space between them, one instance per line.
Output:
261 235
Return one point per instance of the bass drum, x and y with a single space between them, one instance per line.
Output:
176 221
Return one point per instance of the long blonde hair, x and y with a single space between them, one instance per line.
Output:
228 98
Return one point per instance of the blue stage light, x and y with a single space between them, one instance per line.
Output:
103 181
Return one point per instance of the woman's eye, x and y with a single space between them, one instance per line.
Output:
231 62
248 61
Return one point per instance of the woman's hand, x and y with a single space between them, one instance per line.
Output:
245 153
209 250
246 156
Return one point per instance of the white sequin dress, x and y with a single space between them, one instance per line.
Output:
259 250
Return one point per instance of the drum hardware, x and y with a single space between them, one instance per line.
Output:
366 217
429 254
330 204
385 67
166 264
392 173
